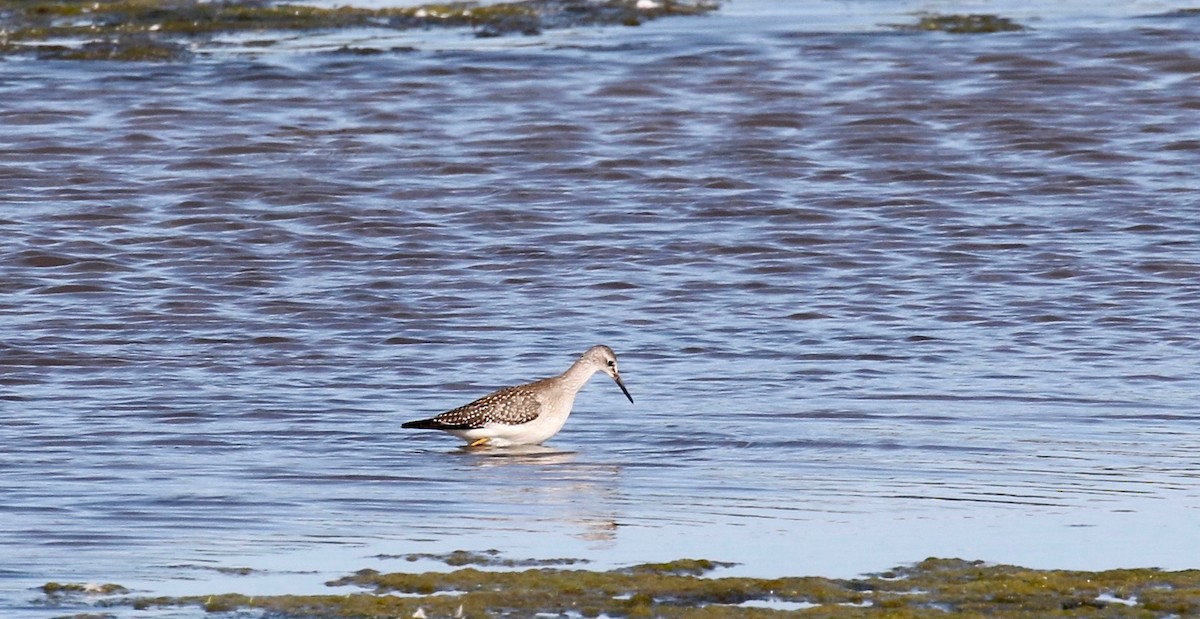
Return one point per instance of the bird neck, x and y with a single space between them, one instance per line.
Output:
578 374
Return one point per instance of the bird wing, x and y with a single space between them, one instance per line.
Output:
511 406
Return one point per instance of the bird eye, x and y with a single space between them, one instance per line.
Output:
612 363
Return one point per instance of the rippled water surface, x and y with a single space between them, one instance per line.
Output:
877 295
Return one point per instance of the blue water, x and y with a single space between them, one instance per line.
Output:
878 296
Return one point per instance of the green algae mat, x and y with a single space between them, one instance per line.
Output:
962 24
171 29
694 589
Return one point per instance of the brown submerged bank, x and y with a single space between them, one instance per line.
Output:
169 29
933 588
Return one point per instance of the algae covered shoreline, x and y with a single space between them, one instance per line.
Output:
688 588
173 29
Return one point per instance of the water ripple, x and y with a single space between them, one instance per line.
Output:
859 283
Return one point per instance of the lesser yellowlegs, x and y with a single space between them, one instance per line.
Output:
525 414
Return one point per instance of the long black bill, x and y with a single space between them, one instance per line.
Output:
623 389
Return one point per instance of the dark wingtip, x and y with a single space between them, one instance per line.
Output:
434 424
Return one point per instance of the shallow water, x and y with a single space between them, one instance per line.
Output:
878 296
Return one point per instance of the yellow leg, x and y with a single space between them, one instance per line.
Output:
479 442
